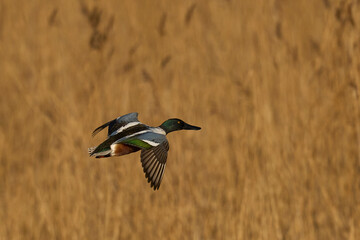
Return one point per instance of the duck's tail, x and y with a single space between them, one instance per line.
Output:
91 150
102 154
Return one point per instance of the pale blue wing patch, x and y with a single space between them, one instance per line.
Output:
128 120
123 122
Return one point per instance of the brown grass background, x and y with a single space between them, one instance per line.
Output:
273 84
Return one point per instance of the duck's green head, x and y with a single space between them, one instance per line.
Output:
175 124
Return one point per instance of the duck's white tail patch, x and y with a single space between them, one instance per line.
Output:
91 150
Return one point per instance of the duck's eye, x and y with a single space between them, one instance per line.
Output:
178 122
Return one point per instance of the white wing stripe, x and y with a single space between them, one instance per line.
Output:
154 144
125 127
141 132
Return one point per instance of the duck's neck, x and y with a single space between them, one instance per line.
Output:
167 127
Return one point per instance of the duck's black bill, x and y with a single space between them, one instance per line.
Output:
190 127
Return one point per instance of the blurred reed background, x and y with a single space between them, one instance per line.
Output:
273 84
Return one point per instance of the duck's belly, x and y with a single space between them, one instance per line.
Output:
120 149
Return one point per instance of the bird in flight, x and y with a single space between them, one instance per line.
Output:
126 134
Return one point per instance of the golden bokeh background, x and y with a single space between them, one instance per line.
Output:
274 85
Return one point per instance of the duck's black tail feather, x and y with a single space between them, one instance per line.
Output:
104 156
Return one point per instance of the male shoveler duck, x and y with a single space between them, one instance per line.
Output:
127 135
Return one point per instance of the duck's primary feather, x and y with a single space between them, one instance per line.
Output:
153 161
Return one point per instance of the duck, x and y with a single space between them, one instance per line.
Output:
126 134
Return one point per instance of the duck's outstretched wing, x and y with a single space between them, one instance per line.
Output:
153 161
115 125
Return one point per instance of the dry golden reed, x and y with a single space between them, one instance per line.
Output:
274 85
